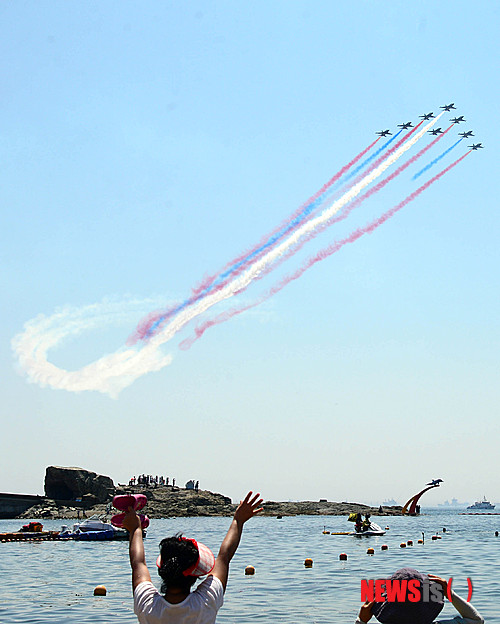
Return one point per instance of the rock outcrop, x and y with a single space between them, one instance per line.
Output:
174 502
69 483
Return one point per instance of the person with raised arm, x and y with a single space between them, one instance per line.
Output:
181 562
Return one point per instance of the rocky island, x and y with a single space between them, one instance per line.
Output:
77 493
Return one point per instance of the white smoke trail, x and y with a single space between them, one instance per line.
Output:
112 373
242 281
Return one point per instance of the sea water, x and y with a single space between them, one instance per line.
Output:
44 582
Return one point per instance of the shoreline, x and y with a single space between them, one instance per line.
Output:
172 502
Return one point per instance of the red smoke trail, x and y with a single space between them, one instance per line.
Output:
346 211
381 159
210 279
321 255
158 316
354 204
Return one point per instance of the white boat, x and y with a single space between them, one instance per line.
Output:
95 523
484 504
94 528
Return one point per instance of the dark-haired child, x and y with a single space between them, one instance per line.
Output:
180 563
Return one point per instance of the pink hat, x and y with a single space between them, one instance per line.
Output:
204 564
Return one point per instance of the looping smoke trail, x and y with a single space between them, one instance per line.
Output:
436 160
110 373
321 255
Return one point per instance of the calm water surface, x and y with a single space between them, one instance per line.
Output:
54 581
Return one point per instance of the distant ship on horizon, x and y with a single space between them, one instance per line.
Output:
389 503
484 504
454 503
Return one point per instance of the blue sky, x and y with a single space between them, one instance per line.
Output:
144 145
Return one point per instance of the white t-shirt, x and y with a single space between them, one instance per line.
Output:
200 607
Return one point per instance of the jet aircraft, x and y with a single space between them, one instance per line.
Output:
435 482
406 125
448 107
466 135
457 119
435 132
476 146
428 116
383 133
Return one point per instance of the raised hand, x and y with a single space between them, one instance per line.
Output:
365 613
248 507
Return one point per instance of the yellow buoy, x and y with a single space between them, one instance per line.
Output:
370 551
100 590
403 545
308 563
343 557
249 570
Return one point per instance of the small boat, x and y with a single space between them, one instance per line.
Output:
94 536
94 528
94 523
484 504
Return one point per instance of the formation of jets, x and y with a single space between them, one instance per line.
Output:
436 131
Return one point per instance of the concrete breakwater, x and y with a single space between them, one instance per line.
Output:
13 505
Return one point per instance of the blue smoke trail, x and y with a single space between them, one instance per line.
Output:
308 209
351 175
237 265
299 218
417 175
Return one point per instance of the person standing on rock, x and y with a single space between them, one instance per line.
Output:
180 564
